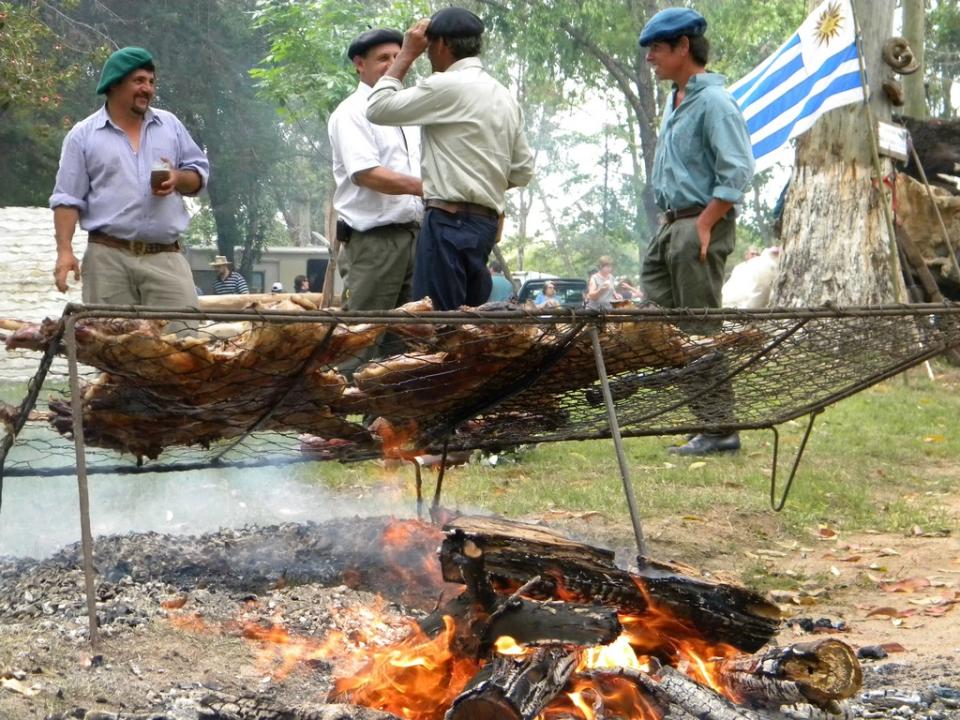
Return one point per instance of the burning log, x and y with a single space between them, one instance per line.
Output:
217 706
693 699
511 688
821 673
482 616
514 552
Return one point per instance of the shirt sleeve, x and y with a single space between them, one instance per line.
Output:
354 139
423 104
730 141
73 182
192 157
242 286
521 161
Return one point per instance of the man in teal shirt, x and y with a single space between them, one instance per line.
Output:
701 169
502 289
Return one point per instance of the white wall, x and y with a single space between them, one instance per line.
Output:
27 256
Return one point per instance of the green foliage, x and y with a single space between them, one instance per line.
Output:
306 72
942 63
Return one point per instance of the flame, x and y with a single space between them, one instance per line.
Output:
506 645
415 680
396 439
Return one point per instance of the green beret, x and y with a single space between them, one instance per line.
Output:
123 61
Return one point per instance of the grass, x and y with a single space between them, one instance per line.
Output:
883 460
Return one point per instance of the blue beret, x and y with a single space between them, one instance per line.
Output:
672 23
372 38
454 22
122 62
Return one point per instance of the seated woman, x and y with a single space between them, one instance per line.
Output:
548 298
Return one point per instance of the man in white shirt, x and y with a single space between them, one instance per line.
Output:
474 149
377 200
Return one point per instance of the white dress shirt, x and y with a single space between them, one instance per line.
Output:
358 145
474 147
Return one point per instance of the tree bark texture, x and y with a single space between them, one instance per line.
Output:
914 27
837 247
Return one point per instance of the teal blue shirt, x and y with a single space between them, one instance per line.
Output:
502 289
704 150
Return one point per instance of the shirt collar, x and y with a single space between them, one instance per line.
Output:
698 82
103 118
363 89
465 63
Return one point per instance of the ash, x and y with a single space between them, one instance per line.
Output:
310 576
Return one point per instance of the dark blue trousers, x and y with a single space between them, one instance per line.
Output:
452 254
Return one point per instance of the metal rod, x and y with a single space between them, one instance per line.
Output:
86 536
548 317
618 443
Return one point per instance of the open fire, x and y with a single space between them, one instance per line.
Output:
576 660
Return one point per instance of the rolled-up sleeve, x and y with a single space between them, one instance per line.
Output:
73 181
730 142
192 157
422 104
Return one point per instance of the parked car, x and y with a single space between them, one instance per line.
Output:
570 291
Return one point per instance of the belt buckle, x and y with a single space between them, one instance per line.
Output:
139 248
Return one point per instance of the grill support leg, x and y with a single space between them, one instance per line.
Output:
618 442
86 536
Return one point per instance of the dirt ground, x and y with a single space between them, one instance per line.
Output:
891 591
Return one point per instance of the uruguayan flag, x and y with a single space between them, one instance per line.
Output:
814 71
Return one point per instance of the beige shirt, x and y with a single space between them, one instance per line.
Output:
473 145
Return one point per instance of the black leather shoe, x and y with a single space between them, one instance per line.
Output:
704 444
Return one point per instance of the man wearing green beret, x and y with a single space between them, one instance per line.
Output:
123 173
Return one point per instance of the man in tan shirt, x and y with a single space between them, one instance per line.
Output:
473 150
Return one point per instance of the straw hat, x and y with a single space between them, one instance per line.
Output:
219 260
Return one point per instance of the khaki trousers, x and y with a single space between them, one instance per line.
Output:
116 277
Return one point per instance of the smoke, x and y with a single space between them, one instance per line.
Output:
40 515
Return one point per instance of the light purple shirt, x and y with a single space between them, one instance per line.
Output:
109 183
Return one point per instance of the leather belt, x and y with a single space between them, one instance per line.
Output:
134 247
411 226
464 208
669 216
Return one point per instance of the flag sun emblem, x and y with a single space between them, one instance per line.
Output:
829 24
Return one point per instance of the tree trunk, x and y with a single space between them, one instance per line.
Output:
914 26
837 247
223 209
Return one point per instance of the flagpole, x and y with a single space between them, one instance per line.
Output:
895 270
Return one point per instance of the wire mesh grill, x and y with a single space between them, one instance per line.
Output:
174 390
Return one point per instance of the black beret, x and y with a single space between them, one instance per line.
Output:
454 22
372 38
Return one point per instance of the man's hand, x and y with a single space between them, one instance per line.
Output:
168 186
713 213
415 39
66 261
703 232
